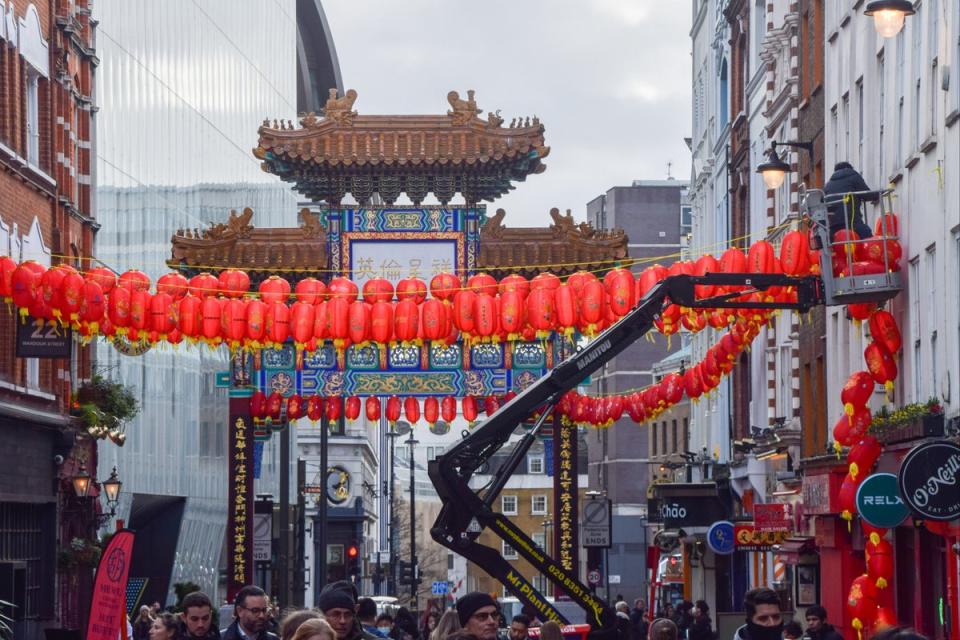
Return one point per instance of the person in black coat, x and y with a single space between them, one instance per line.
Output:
702 627
817 626
251 611
846 179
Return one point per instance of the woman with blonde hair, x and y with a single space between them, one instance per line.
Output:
448 625
315 629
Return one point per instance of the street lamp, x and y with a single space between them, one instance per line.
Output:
81 482
774 170
413 522
111 486
546 550
889 15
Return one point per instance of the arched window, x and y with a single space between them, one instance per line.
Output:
724 109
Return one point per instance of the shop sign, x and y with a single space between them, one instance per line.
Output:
720 537
748 538
771 517
566 534
240 498
879 503
691 511
37 339
820 494
928 480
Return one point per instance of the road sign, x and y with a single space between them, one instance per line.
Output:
440 588
597 523
879 503
593 577
720 537
262 536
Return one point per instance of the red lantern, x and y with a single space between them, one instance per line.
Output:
345 288
411 409
70 296
795 254
463 304
567 308
761 257
274 406
140 310
359 319
434 320
880 568
512 314
406 320
209 319
352 410
856 391
50 283
371 407
296 407
256 321
704 265
233 283
25 284
258 405
321 321
310 291
381 322
515 282
863 456
484 315
431 410
886 618
847 498
469 407
377 290
135 280
93 304
444 286
861 311
482 283
104 277
884 330
490 405
174 284
692 383
393 409
274 289
620 290
887 225
189 318
649 277
850 429
413 289
203 285
301 323
881 364
592 303
163 317
315 408
338 309
334 408
886 253
733 261
7 266
233 320
541 310
861 603
277 323
671 388
448 409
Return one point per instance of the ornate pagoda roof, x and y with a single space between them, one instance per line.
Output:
344 152
562 248
261 252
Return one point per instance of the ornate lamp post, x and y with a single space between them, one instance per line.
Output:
889 15
81 482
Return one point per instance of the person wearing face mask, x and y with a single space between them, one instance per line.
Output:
385 624
764 619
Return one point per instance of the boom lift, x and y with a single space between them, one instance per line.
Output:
465 513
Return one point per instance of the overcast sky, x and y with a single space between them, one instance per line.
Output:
609 79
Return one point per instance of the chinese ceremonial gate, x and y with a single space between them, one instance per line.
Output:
375 159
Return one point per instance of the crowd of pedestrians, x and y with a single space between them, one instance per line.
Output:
342 615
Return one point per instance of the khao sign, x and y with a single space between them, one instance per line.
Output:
929 480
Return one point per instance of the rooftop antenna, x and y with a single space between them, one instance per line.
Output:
669 176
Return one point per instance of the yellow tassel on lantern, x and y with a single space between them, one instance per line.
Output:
848 409
854 470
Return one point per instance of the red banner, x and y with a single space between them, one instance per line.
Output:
108 606
771 517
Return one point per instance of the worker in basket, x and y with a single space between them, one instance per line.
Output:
846 179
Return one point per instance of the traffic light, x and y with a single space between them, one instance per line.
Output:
409 573
353 559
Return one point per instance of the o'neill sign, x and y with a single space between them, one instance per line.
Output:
929 480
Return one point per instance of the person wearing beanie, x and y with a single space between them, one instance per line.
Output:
478 615
845 179
338 603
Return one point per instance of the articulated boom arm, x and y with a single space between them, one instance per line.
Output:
465 513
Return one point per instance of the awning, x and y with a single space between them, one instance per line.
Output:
794 547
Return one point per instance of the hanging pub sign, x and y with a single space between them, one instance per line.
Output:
749 538
879 503
929 480
720 537
36 339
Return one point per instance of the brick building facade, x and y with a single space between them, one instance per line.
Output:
47 65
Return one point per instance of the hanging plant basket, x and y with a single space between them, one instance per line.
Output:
104 407
910 422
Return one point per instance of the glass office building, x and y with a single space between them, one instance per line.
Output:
181 88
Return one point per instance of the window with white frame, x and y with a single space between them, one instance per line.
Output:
914 277
508 552
845 124
835 132
784 371
535 463
540 540
917 69
508 505
860 124
33 116
538 505
901 95
931 314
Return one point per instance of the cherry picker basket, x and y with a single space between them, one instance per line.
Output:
859 262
